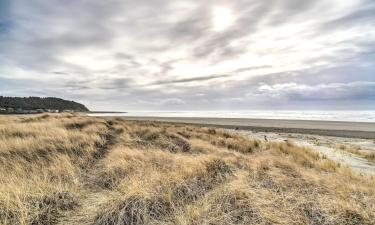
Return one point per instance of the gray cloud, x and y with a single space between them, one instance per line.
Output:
364 15
148 54
251 68
115 83
188 80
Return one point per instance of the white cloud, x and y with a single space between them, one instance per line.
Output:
330 91
172 101
127 48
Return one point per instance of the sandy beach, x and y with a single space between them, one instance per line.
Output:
327 128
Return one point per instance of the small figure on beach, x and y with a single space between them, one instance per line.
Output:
265 138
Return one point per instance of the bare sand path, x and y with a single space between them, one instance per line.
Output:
91 201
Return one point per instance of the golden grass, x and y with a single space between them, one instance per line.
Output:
53 166
368 155
40 162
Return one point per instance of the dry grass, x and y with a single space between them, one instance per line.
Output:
160 173
41 159
368 155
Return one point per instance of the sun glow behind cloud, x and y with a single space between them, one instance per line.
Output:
222 18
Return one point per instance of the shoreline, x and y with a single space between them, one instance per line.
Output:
364 130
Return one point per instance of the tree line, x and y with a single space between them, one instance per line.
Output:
34 103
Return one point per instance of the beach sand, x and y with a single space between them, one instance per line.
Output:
362 130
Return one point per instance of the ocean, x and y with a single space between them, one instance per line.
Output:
348 116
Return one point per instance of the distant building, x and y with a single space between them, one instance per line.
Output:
41 110
10 110
52 110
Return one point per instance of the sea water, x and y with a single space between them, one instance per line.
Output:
348 116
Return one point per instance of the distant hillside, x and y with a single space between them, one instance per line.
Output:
34 103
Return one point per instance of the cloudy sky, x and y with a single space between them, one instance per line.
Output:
191 54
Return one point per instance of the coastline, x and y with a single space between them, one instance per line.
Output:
364 130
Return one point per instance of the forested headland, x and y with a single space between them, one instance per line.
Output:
38 104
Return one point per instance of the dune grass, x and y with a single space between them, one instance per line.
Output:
366 154
72 169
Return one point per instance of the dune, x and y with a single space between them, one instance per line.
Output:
75 169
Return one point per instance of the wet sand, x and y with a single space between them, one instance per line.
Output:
326 128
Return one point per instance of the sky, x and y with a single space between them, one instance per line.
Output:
191 54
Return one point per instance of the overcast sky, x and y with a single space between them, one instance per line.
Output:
191 54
